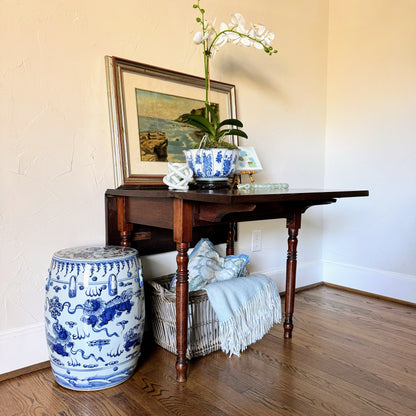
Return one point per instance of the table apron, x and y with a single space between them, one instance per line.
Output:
204 213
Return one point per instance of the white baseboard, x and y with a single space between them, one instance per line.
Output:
380 282
26 346
22 347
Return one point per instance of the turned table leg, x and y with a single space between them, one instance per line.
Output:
125 228
182 235
230 238
293 225
181 310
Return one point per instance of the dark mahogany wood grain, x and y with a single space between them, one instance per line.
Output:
257 196
231 238
357 359
148 239
182 235
216 212
124 226
293 226
184 213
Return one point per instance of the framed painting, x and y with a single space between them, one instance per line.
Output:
146 105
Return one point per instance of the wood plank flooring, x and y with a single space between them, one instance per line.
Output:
350 355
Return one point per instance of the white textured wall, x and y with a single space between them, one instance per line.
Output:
371 143
55 137
285 102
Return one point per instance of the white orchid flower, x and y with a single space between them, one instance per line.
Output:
220 41
198 38
238 23
234 37
234 32
258 31
258 45
262 35
246 42
268 39
223 27
209 27
209 30
222 38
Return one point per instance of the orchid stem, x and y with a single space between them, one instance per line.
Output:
207 84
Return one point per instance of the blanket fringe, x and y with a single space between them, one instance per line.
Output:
251 321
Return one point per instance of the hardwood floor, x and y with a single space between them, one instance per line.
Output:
350 355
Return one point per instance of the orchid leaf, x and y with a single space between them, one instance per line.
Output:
200 122
240 133
231 121
232 132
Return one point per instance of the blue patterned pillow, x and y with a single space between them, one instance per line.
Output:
207 266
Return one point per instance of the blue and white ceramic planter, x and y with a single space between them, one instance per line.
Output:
212 164
94 316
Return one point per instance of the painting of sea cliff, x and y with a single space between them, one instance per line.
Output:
162 134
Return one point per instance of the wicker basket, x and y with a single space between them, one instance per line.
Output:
202 322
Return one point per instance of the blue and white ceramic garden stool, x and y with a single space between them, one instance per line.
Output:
94 316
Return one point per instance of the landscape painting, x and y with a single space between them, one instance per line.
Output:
162 134
146 106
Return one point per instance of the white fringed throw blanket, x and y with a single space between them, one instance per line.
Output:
246 308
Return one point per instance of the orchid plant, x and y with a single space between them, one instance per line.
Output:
212 40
